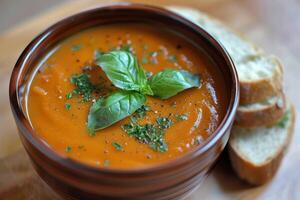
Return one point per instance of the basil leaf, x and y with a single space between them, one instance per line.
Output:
117 146
121 67
169 82
113 108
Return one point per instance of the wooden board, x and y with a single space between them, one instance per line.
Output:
274 25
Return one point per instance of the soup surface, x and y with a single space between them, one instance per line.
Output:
61 121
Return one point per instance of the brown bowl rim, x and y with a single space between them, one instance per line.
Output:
27 131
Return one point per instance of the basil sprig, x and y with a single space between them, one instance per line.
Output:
122 68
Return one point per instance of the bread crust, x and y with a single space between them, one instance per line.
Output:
268 115
250 91
259 174
257 91
253 92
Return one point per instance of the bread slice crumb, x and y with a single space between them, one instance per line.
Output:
256 153
263 113
260 75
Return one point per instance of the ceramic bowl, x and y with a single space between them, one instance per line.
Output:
74 180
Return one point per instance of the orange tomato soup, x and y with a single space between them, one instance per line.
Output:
64 128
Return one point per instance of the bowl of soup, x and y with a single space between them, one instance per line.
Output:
124 101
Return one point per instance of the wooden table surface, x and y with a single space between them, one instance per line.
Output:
274 25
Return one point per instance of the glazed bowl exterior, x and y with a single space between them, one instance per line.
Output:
74 180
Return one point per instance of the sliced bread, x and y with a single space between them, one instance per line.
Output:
256 153
263 113
260 75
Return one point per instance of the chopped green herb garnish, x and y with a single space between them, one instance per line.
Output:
164 122
68 149
147 134
84 87
76 47
150 56
68 106
151 134
106 163
117 146
283 122
144 60
197 141
181 117
153 57
195 126
153 53
145 46
69 95
140 113
172 58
